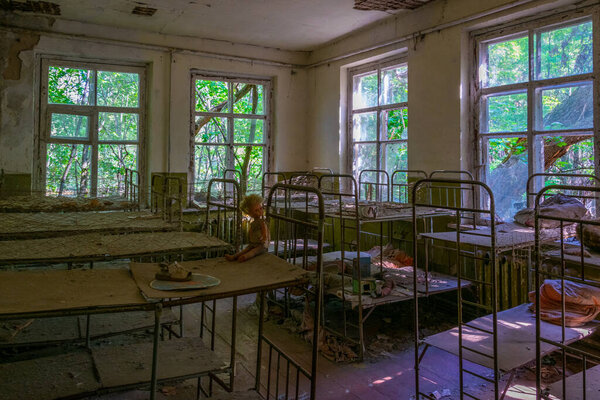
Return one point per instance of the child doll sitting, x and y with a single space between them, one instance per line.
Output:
258 234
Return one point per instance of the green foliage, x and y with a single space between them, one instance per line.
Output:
118 89
210 161
68 167
397 124
211 94
508 62
69 85
565 51
506 113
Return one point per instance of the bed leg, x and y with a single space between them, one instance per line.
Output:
87 330
153 383
510 378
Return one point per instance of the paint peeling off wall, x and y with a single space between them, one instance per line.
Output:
16 101
12 70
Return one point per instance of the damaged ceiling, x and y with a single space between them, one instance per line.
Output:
385 5
284 24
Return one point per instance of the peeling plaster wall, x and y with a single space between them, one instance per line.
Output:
16 102
439 63
168 102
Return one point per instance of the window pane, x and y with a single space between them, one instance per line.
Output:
567 108
395 123
112 161
394 157
117 126
209 162
507 174
248 99
394 85
364 127
564 52
118 89
507 62
69 126
69 85
364 91
365 157
211 96
211 130
249 160
248 130
567 154
68 169
505 113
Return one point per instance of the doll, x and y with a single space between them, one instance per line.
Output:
258 235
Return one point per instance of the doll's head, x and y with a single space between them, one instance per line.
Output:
252 206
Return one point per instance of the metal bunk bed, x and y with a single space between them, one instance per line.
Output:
374 188
570 269
477 342
145 364
128 200
165 215
405 185
344 211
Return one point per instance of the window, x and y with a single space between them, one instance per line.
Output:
534 100
378 119
230 130
91 127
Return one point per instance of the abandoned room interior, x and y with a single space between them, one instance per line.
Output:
303 200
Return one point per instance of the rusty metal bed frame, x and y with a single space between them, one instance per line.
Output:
344 191
478 341
482 275
288 231
121 285
576 269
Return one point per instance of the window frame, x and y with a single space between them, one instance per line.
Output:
533 88
231 116
377 67
92 112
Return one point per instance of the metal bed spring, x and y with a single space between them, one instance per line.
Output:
575 386
374 189
484 278
404 188
223 220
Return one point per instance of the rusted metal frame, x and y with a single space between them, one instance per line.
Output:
234 209
531 192
563 345
318 291
379 186
406 185
428 184
264 184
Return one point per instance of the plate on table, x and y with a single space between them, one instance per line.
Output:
198 281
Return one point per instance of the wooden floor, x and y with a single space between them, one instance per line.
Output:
384 378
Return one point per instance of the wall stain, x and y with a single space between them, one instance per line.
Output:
14 63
